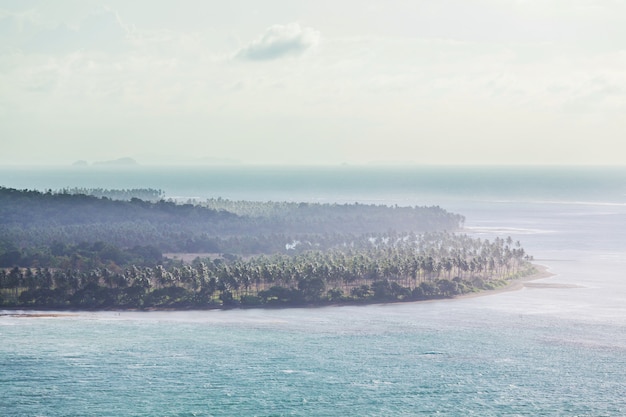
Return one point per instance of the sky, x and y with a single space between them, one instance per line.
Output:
442 82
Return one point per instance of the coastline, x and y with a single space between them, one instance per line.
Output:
514 285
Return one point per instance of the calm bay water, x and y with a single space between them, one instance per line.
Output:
558 348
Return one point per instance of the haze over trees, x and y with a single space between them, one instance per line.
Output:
68 250
33 218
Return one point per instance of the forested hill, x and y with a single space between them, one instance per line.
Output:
33 208
32 218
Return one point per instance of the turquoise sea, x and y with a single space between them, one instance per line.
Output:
554 348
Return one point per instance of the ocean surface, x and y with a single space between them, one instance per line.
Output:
554 348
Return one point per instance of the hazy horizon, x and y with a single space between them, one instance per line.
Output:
139 164
451 82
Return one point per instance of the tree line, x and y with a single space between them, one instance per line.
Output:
30 219
404 268
71 250
148 194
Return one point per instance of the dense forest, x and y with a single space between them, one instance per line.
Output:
71 250
29 219
148 194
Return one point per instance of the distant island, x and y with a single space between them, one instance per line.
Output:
132 162
120 162
76 249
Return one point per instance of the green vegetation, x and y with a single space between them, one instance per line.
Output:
33 219
65 250
148 194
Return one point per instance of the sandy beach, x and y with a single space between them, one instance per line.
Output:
518 284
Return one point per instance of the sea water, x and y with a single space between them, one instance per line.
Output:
556 347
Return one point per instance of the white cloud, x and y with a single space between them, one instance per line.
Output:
389 85
279 41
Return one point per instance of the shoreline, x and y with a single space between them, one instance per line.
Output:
514 285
